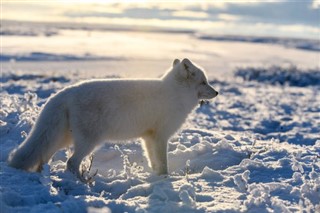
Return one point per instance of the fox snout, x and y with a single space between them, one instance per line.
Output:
213 93
209 93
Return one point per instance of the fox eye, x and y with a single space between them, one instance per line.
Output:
204 83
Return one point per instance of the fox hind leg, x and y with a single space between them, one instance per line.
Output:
82 148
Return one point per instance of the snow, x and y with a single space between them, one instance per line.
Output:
253 148
280 75
305 44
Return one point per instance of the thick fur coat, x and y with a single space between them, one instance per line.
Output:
93 112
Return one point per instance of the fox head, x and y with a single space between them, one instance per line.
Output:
188 74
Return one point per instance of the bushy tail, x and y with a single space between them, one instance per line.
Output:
47 136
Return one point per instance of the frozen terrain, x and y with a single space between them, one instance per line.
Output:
255 148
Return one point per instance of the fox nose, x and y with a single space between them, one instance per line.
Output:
217 93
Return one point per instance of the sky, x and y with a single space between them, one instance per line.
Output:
287 18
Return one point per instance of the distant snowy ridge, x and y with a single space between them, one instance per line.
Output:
5 77
280 75
14 28
304 44
29 28
42 56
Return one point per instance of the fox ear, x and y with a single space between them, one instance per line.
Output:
187 72
176 61
186 64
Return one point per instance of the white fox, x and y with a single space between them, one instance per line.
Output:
93 112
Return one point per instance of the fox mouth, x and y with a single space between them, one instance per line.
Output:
203 102
204 98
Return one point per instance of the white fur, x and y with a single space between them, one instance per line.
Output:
93 112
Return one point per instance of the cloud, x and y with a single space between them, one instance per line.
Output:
186 13
220 16
228 17
316 4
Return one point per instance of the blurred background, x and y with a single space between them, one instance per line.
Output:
238 17
148 35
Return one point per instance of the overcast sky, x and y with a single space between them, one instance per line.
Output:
294 18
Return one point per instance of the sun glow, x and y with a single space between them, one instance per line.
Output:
105 1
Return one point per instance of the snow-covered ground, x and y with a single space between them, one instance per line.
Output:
255 148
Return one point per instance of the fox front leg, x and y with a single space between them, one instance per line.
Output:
156 152
160 158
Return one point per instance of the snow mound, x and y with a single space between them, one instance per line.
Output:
280 75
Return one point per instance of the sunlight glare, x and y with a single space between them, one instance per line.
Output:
109 1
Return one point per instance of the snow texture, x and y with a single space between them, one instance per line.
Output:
249 150
255 148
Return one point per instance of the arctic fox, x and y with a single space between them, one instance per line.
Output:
97 111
